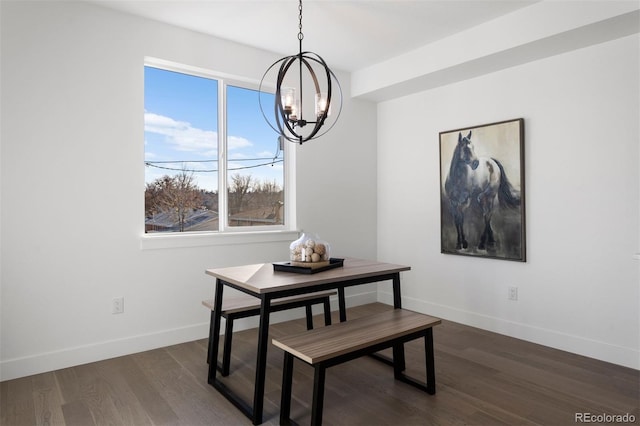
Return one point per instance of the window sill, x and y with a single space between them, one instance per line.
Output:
178 240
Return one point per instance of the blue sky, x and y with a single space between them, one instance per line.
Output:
181 122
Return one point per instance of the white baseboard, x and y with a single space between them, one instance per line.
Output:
603 351
69 357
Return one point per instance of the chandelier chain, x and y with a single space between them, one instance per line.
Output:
300 35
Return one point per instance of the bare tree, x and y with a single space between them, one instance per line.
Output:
153 195
239 187
268 187
177 195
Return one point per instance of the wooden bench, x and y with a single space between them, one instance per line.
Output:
338 343
244 306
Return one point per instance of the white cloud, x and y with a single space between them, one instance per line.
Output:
184 137
181 134
237 142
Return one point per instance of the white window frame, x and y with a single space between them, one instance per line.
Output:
228 234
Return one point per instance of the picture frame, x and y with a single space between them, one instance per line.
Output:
482 191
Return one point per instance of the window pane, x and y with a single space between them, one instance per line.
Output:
181 152
255 172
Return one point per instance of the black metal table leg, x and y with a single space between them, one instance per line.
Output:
309 314
398 359
261 365
215 333
397 297
398 349
342 307
214 342
327 312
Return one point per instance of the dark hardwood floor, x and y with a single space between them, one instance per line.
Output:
482 379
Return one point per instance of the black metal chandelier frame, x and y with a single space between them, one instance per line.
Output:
287 124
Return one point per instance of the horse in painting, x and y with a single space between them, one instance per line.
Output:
476 179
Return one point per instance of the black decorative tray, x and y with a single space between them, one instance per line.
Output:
288 267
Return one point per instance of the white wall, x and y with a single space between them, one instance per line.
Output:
579 289
73 181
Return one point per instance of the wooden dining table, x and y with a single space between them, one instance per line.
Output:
262 281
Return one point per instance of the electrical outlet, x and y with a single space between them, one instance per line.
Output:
513 293
117 305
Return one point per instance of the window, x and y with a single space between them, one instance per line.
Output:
212 163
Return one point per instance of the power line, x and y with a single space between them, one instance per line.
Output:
212 161
271 162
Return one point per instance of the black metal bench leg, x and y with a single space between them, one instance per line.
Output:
430 361
398 356
397 366
318 395
210 337
285 398
327 312
226 351
309 313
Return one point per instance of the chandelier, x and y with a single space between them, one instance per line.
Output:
299 75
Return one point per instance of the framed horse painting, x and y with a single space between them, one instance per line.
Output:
482 205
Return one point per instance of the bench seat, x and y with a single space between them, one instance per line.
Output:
244 306
338 343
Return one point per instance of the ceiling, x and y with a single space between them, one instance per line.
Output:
348 34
